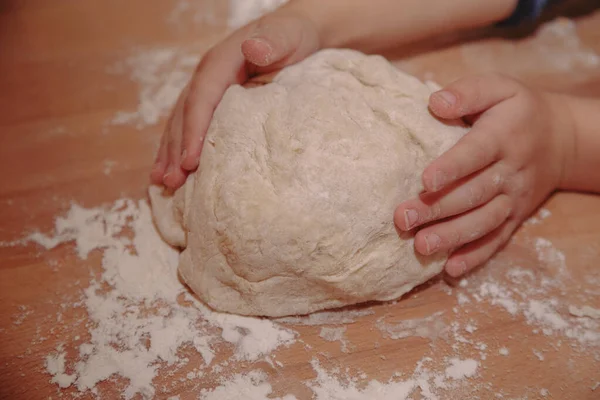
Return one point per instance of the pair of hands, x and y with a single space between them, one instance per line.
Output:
476 194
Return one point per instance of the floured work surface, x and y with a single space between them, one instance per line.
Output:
89 298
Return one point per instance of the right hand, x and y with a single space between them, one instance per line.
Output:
281 38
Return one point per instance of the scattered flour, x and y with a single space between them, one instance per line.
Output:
55 365
335 335
429 327
140 316
243 11
570 52
542 312
161 74
541 215
137 324
251 386
459 369
555 47
497 295
548 254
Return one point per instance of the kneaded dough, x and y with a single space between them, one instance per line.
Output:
291 209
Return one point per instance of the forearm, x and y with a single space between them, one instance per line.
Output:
380 24
582 161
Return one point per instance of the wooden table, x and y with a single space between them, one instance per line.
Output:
60 88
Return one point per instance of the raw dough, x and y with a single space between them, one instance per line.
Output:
291 209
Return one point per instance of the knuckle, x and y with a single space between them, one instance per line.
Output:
476 195
435 211
455 238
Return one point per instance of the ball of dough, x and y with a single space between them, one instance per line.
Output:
291 209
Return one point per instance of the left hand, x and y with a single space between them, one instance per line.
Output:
478 192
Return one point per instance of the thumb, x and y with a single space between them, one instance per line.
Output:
472 95
279 40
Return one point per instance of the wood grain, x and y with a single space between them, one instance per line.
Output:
57 94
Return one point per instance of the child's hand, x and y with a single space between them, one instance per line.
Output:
281 38
478 192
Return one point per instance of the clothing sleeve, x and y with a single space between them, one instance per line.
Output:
526 11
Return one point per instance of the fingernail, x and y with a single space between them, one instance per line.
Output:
183 154
410 218
433 242
265 51
439 180
447 97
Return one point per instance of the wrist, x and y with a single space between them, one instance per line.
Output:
565 138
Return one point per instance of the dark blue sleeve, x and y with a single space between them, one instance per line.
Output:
526 11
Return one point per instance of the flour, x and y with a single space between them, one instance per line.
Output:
252 337
251 386
548 254
555 47
540 216
459 369
135 299
335 335
194 11
497 295
243 11
55 365
161 74
542 312
137 325
429 327
570 52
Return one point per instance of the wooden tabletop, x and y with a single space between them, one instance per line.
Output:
65 77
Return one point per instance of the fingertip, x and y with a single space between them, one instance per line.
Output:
398 219
406 218
421 244
258 51
456 268
174 177
189 163
157 173
444 104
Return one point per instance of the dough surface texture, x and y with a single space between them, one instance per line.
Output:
291 209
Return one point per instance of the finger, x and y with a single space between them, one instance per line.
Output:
272 43
215 73
174 175
465 228
160 163
466 195
472 95
476 150
280 40
478 252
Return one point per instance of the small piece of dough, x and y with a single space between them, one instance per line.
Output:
585 311
291 209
